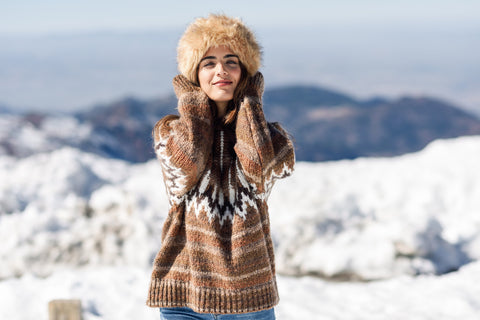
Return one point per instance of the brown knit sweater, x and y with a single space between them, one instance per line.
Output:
217 253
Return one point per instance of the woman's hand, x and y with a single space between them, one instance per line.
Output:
182 85
255 86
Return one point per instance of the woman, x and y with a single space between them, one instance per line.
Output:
220 159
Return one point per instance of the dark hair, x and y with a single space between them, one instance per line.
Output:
234 104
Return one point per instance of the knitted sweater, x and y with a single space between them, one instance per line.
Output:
217 253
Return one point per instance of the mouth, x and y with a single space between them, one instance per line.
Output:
222 83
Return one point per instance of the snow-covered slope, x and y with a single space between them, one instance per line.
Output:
72 208
360 219
119 293
25 135
376 218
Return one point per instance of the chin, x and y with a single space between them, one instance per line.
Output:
223 98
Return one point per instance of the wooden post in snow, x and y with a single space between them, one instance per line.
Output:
65 310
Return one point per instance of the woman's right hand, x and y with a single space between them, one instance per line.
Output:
182 85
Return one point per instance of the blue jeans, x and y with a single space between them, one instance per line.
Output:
189 314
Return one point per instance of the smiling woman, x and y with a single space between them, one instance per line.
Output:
219 74
220 159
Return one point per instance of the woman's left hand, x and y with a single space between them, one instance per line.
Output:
255 86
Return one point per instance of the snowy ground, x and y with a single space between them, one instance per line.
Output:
119 294
78 225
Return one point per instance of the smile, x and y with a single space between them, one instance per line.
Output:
222 83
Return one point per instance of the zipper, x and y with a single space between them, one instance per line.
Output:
221 150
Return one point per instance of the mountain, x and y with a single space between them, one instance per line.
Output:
120 130
325 125
330 126
125 127
4 109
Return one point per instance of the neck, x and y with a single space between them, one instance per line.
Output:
221 108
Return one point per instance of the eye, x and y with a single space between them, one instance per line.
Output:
208 64
232 63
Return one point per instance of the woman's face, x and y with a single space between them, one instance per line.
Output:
219 73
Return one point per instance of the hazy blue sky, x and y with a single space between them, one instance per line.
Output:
47 16
66 55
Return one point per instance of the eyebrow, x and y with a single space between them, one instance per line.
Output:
226 56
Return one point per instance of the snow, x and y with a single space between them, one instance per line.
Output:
377 218
22 138
113 293
402 235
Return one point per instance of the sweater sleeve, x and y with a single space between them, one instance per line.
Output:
264 150
183 144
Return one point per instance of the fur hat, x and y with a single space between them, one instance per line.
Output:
214 31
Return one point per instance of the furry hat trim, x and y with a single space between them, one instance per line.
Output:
214 31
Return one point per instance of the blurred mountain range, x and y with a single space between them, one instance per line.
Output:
325 124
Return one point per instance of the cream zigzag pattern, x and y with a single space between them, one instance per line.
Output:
207 197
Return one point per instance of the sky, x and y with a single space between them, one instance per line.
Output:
60 16
68 55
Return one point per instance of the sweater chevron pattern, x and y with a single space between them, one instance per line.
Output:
217 253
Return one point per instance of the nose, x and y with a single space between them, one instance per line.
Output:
221 69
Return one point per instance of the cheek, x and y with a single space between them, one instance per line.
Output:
203 79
